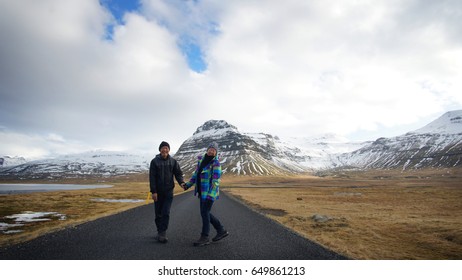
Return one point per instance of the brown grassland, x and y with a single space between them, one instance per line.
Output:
77 205
371 215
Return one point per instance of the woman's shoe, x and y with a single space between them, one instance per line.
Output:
204 240
220 236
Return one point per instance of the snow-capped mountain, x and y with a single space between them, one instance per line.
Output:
438 144
449 123
7 161
260 153
100 163
320 152
239 153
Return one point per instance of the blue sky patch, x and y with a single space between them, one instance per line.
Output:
194 56
192 51
118 8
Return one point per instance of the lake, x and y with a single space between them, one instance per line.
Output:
28 188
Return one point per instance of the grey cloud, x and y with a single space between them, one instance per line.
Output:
293 68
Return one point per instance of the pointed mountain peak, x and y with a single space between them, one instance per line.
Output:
215 125
448 123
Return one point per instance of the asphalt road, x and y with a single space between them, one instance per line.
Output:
130 236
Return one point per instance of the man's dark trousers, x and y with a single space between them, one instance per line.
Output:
162 209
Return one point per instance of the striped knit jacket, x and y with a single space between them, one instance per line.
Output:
210 179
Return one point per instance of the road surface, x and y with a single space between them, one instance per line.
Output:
130 236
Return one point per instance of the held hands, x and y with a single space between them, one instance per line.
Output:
182 185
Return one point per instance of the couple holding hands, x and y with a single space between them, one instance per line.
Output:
206 178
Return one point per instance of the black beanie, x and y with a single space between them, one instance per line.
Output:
164 144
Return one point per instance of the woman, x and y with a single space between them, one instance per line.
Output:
206 177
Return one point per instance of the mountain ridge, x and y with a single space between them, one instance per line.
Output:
436 145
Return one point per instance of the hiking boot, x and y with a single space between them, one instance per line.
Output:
220 236
161 237
204 240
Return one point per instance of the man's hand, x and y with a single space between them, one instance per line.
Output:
154 197
183 185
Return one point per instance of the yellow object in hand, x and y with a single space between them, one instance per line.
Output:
148 198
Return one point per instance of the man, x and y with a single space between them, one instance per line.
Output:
161 171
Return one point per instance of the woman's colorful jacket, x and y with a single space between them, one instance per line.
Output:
210 179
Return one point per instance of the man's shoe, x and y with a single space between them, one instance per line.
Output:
220 236
162 238
204 240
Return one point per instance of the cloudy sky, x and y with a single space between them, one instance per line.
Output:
79 75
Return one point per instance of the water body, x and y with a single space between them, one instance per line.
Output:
28 188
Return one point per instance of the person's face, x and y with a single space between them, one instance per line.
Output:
164 151
211 152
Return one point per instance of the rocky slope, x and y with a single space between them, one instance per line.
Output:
437 145
260 153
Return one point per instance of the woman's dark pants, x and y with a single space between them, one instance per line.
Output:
208 218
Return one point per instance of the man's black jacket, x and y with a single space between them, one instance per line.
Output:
161 172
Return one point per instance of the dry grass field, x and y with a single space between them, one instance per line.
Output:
78 206
366 215
362 215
